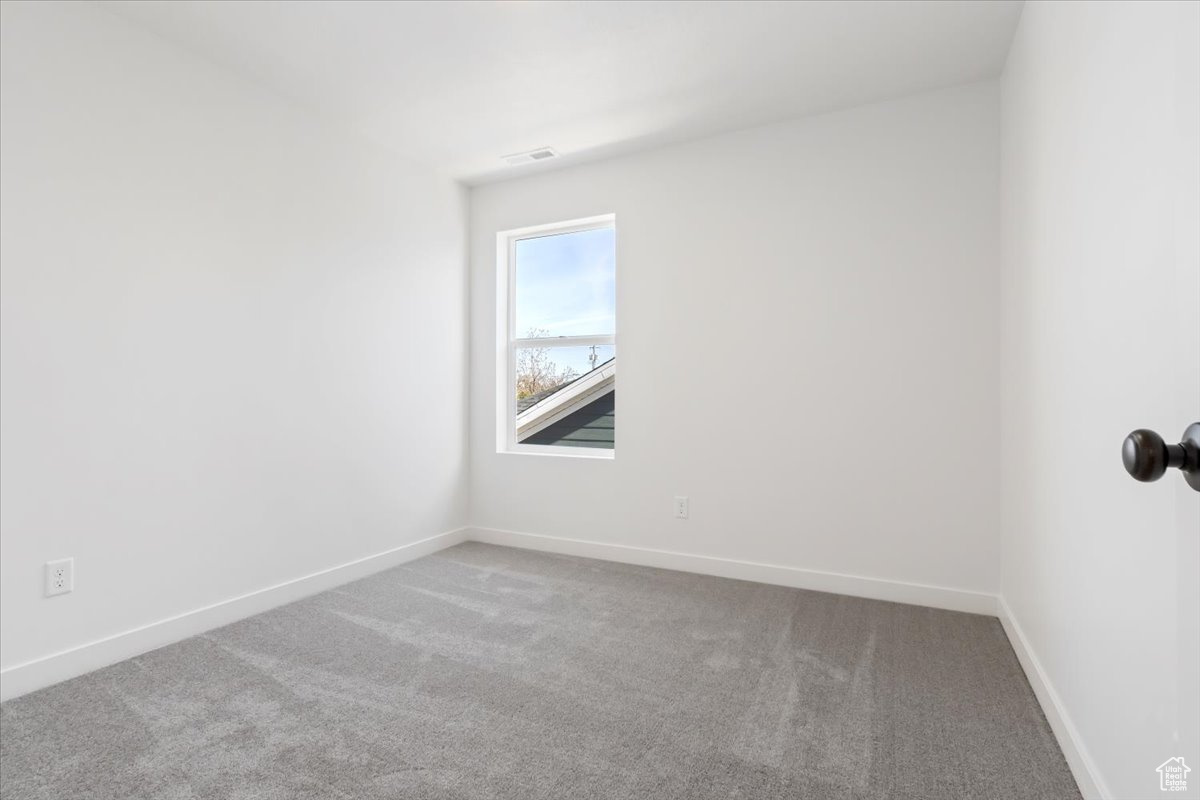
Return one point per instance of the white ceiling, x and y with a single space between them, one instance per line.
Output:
460 84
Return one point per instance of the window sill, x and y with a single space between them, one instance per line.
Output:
591 453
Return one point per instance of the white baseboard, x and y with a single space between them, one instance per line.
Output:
1087 776
20 679
837 583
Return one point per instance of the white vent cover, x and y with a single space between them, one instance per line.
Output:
541 154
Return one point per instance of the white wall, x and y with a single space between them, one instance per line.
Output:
234 340
1101 335
808 346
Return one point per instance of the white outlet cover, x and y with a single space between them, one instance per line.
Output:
681 507
60 576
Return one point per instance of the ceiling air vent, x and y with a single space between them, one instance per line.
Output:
541 154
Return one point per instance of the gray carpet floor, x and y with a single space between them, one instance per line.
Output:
489 672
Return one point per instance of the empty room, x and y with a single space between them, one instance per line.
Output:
315 481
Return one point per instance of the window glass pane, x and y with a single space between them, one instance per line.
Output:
566 396
566 284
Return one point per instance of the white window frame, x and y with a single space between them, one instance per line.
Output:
507 343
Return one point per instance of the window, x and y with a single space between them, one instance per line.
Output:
557 359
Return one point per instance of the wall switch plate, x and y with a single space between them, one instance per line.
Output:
60 576
681 508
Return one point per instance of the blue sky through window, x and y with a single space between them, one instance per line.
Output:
566 284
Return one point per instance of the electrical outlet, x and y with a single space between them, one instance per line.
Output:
681 508
60 576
